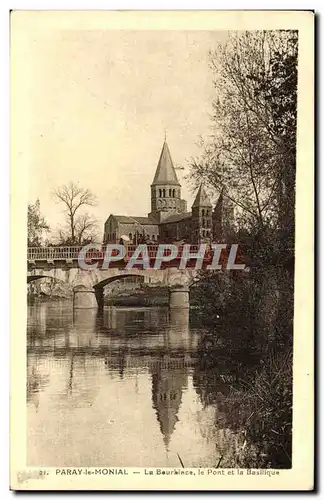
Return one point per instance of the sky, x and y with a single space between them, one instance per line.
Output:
97 104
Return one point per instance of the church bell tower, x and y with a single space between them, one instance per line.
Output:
202 217
165 188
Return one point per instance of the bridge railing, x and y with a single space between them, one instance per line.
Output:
53 253
72 253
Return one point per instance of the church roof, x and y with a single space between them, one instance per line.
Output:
202 199
165 172
125 219
176 218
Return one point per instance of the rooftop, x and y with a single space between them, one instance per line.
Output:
176 218
202 199
125 219
165 172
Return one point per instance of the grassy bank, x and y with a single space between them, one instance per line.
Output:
263 408
143 297
249 326
40 299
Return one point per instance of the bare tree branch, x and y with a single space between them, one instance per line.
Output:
73 197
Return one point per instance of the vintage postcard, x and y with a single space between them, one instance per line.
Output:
162 207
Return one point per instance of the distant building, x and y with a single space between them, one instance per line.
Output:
169 220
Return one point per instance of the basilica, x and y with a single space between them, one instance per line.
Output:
169 221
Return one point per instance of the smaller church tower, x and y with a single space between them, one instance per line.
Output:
223 217
202 217
217 218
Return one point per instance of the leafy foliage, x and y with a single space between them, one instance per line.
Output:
263 407
36 225
251 151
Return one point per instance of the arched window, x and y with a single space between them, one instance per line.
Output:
173 193
203 212
130 236
170 192
203 234
153 237
207 213
163 193
203 223
160 193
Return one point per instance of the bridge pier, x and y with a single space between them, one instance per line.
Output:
179 297
84 299
99 294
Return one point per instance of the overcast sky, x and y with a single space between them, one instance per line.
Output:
98 104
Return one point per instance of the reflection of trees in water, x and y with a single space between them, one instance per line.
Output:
36 381
73 376
213 378
119 363
80 388
48 323
225 440
134 321
37 322
251 397
219 369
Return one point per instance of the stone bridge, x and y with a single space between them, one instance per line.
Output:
88 285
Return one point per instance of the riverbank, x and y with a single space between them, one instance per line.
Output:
47 290
144 296
255 342
141 297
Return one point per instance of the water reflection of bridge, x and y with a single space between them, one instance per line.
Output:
137 333
151 341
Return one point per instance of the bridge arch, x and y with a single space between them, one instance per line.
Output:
119 277
88 285
34 277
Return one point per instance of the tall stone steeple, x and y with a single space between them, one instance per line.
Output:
165 188
202 216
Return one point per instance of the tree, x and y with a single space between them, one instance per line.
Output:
251 157
36 225
252 149
279 90
80 227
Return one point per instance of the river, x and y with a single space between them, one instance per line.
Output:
125 387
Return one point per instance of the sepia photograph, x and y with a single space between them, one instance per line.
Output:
157 169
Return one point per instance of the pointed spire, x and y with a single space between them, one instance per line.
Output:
219 203
165 172
202 199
